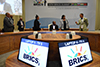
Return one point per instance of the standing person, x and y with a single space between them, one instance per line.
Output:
53 26
45 2
12 20
64 24
20 24
8 26
36 24
83 22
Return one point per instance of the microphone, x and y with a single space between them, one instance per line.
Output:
70 36
36 36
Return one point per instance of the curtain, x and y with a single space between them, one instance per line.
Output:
97 23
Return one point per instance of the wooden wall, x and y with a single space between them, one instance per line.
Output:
94 40
10 41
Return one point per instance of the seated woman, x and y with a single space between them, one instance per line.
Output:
64 24
53 26
36 24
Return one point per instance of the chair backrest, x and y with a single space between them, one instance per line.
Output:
2 30
49 26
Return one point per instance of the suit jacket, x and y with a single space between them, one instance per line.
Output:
8 26
7 8
51 27
84 23
36 25
12 21
62 24
19 24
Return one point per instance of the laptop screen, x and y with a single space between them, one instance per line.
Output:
75 53
33 52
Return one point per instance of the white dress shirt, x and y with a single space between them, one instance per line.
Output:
82 22
21 24
53 26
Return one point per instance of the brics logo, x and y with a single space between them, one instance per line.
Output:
78 56
78 53
38 2
31 55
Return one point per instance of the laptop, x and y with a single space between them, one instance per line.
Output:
33 52
75 53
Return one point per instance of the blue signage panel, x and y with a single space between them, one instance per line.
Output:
33 52
75 53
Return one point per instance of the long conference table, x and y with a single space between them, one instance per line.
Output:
10 41
53 52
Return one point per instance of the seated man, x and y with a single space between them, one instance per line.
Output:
53 26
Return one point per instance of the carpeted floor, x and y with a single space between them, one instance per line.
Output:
3 58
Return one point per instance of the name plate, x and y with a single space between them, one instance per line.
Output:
75 53
33 52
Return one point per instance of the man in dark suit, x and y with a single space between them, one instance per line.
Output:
54 26
36 24
20 25
12 20
8 26
5 7
45 2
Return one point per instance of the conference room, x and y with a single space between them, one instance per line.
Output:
49 33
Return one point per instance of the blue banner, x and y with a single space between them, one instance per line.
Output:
34 42
70 43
